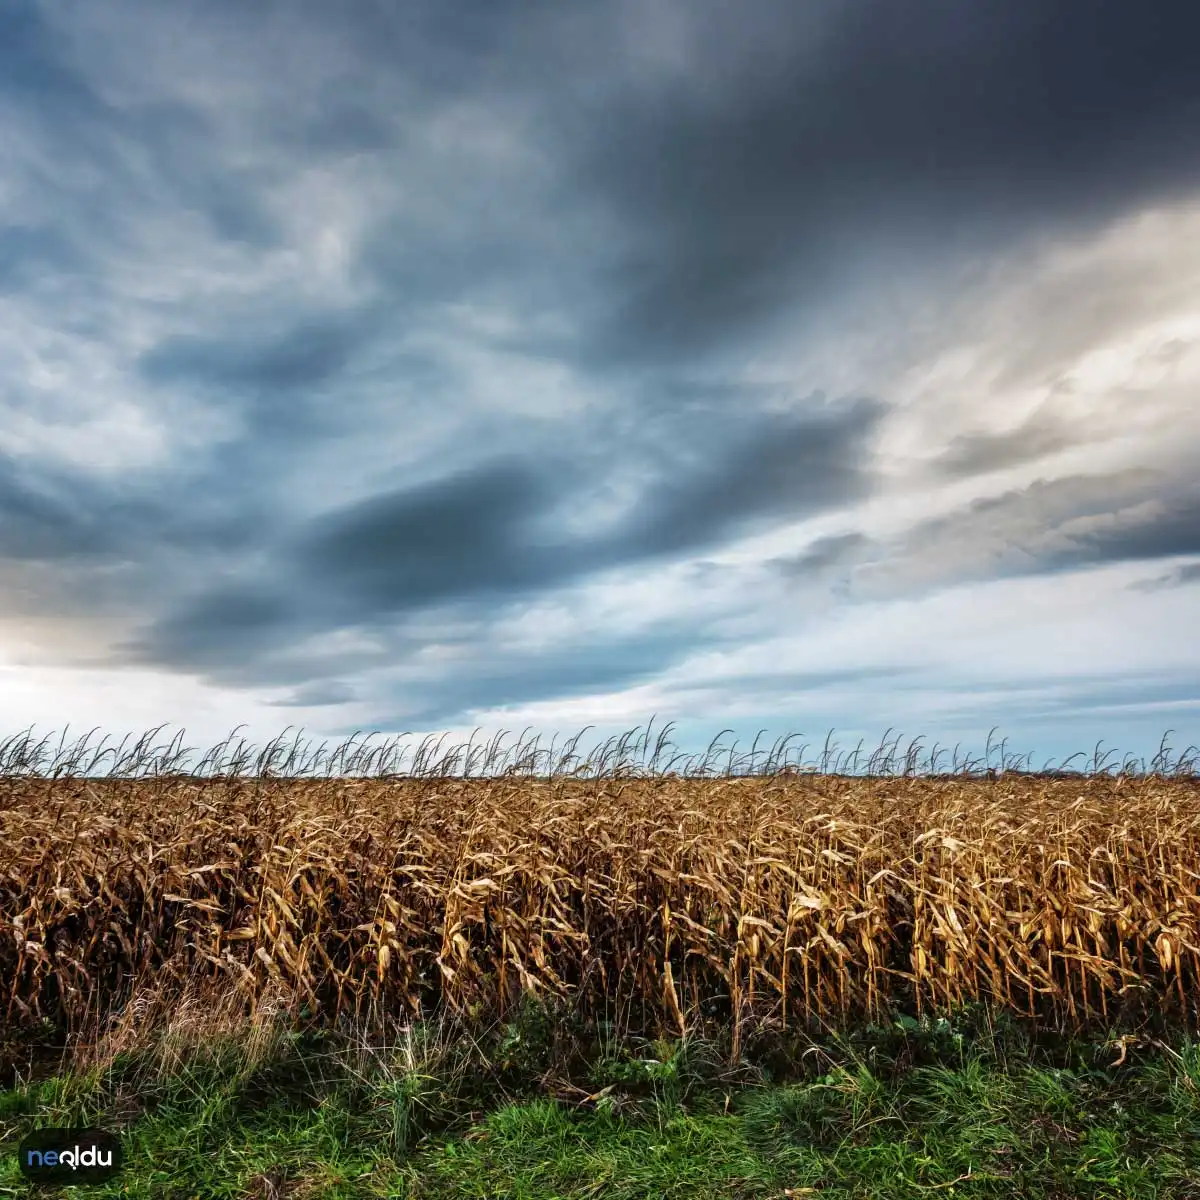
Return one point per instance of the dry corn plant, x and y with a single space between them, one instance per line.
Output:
815 895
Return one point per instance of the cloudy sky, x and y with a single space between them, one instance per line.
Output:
417 367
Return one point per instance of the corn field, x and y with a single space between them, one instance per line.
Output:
815 896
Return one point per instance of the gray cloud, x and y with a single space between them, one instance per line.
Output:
28 252
1050 526
823 555
455 536
324 694
799 137
1039 436
762 684
786 469
277 383
1159 689
513 678
38 522
1171 527
61 515
469 537
35 67
308 355
1180 577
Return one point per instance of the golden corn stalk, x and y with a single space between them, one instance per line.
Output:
817 897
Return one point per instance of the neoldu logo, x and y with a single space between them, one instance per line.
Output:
75 1156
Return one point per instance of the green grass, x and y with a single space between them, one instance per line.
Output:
912 1110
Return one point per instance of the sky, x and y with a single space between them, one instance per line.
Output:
423 368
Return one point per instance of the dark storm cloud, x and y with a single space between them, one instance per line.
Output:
306 356
784 469
245 614
470 537
464 533
98 549
47 519
595 194
455 536
277 382
686 206
64 516
801 135
1082 527
1172 530
1068 524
